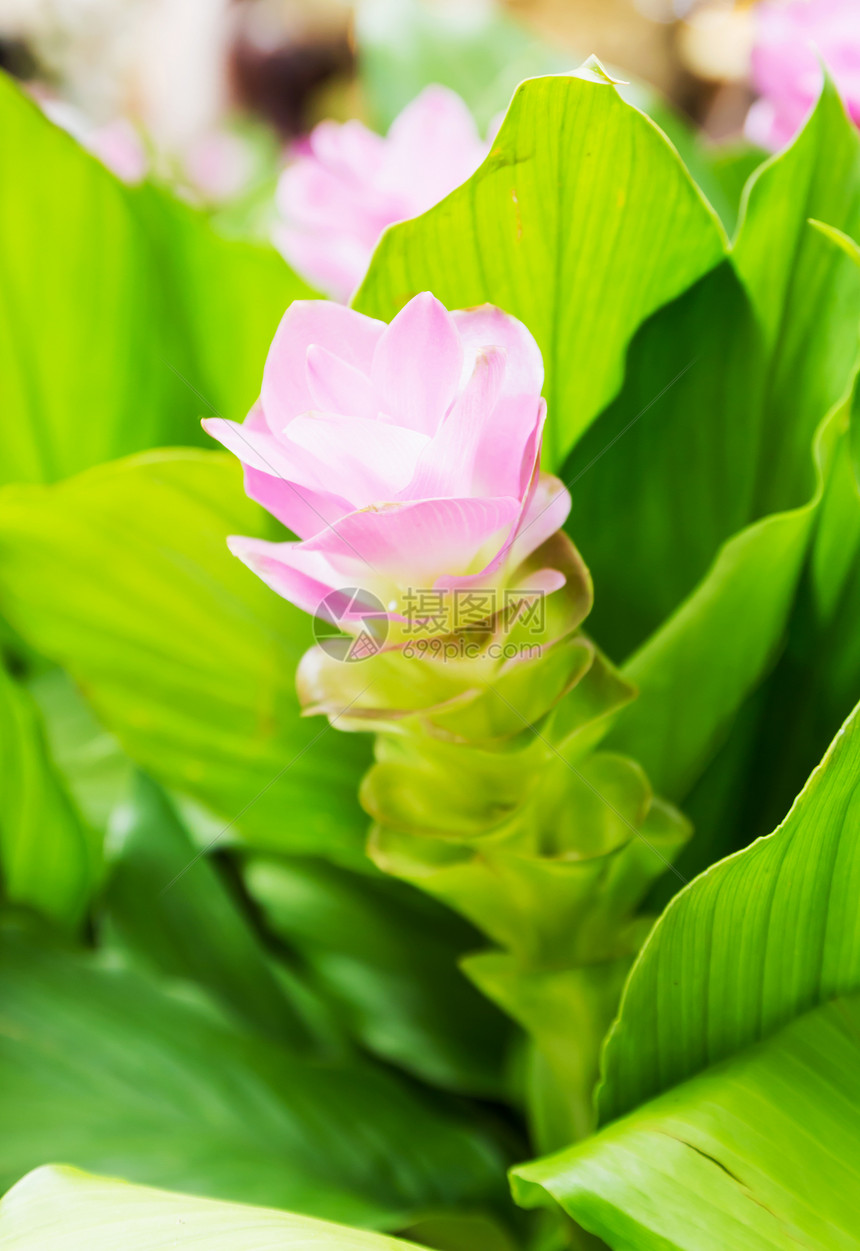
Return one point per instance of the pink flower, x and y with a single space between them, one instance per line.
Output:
337 198
404 457
117 144
791 41
218 165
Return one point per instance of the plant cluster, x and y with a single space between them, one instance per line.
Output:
341 947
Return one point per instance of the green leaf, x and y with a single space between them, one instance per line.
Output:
93 766
692 398
388 957
804 290
49 858
581 222
168 907
104 1069
757 939
695 672
697 669
786 726
761 1153
123 316
123 576
851 249
61 1209
729 167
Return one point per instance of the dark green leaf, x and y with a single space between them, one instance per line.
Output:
168 906
388 957
101 1068
695 672
49 858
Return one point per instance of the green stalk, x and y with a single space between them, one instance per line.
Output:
490 791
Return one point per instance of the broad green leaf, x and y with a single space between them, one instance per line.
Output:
96 771
729 166
837 541
757 939
785 727
62 1209
49 858
105 1069
123 316
805 293
388 957
123 576
697 669
667 473
581 222
168 907
760 1153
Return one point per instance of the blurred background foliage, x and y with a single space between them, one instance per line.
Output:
215 87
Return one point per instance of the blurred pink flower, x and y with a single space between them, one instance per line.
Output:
117 144
349 183
218 165
791 41
403 456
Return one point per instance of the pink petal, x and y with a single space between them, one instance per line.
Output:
545 513
304 578
255 446
300 509
327 453
338 387
447 466
432 147
503 556
791 41
118 145
416 365
349 149
312 195
364 460
542 582
349 335
487 326
333 265
270 477
509 447
414 544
